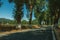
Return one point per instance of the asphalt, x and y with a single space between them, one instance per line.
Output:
43 33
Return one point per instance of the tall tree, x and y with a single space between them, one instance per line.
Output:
55 10
30 7
40 4
18 13
37 9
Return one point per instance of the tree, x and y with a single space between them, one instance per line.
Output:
55 10
40 4
35 22
24 22
30 7
18 13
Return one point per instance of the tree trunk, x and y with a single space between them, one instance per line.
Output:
56 22
51 20
18 24
30 20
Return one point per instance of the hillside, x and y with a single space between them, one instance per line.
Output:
4 20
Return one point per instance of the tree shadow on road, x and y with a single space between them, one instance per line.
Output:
30 35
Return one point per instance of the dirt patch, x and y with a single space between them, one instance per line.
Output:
35 26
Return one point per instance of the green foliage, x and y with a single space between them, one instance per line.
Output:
35 22
5 21
24 22
39 14
37 5
55 9
18 13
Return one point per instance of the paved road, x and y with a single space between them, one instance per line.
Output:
44 33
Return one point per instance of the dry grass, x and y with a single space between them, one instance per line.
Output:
8 29
35 26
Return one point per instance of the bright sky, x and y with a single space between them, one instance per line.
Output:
6 11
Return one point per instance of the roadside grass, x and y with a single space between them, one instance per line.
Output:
4 28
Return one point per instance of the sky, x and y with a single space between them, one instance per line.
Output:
6 11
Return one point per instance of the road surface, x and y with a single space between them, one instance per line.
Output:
43 33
